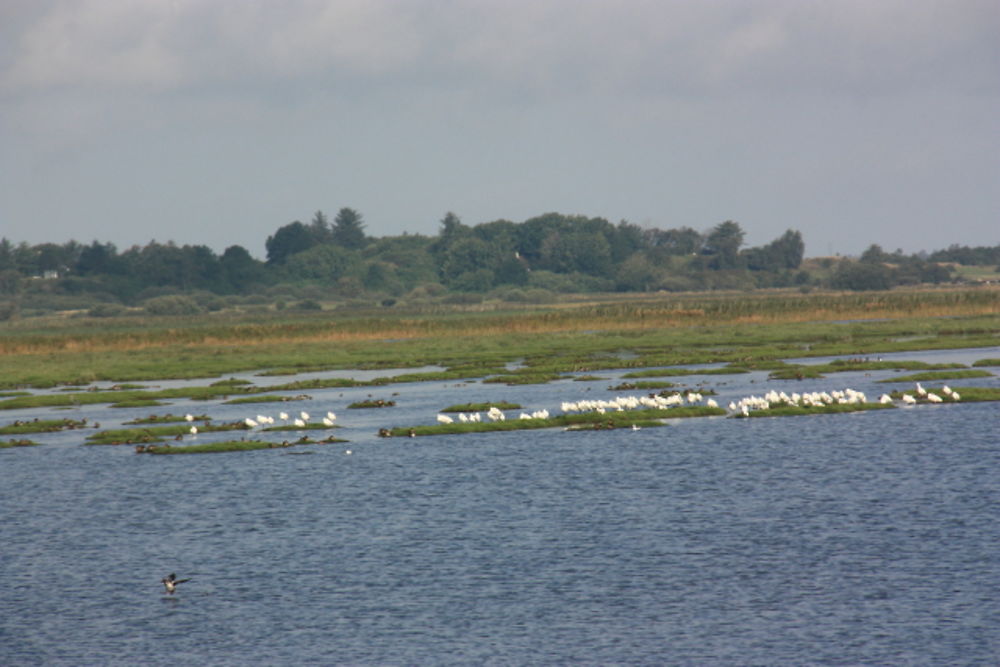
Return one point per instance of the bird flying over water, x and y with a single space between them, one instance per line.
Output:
170 583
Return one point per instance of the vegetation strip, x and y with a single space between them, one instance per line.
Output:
231 446
594 420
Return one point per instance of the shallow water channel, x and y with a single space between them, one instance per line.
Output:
868 538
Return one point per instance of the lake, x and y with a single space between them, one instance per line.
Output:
868 538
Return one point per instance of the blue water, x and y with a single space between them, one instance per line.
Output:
870 538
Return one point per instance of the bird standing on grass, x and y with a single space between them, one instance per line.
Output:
170 583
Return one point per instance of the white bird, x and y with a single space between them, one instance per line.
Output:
331 416
189 417
299 423
304 415
445 419
194 430
249 422
283 416
921 391
327 422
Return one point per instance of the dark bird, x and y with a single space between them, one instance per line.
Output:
170 583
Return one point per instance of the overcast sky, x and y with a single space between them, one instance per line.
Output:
217 121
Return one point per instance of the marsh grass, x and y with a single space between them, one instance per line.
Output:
678 372
833 408
167 419
128 436
633 332
6 444
263 398
593 420
309 426
43 426
932 376
372 403
968 394
235 446
482 407
138 403
987 362
647 385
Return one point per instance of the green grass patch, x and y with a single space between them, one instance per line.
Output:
234 446
987 362
167 419
309 426
676 372
262 398
138 403
833 408
933 376
6 444
231 382
372 403
644 385
42 426
972 394
128 436
482 407
593 420
523 378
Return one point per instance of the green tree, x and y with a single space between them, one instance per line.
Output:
320 228
323 263
468 255
241 272
349 230
682 241
287 241
98 259
722 245
451 230
874 255
862 276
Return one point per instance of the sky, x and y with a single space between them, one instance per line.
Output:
215 122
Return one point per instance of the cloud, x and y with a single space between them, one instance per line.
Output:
555 47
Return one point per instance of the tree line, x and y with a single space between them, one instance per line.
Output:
551 252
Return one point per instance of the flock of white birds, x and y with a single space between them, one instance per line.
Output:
299 421
739 408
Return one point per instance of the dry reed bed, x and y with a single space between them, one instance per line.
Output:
615 315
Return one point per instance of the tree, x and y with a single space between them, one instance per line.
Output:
97 259
320 228
322 263
785 252
240 271
723 245
862 276
451 230
467 255
682 241
874 255
349 230
582 251
288 240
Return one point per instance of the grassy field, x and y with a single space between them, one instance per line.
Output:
745 330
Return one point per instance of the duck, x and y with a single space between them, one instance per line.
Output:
170 583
